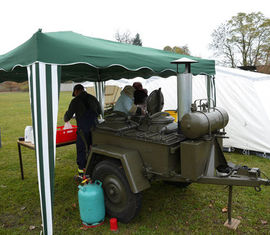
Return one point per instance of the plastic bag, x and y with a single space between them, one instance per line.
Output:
28 134
67 126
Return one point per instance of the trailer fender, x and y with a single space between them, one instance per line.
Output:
130 160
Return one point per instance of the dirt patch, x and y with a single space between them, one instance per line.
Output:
13 86
9 220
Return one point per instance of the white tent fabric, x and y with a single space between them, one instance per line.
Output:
243 94
44 95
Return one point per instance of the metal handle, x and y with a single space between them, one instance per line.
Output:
98 182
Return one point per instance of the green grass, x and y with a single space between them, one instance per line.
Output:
166 209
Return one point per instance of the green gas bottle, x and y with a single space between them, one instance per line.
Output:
91 203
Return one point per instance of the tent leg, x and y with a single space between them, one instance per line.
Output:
20 158
211 91
100 94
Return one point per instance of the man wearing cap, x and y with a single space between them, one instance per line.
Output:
86 109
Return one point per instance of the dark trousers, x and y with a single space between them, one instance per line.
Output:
84 137
84 140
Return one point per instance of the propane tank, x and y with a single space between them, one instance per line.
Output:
199 123
91 203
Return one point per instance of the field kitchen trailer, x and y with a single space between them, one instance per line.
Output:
130 152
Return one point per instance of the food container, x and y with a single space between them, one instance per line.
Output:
66 135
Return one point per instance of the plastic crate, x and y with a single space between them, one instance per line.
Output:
67 135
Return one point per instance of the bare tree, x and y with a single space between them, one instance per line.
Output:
223 45
127 38
123 37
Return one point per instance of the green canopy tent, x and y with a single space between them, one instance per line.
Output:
47 59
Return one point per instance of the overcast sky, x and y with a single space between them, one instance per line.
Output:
159 23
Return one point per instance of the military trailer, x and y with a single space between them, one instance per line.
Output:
130 152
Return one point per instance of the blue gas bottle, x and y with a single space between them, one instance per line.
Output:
91 203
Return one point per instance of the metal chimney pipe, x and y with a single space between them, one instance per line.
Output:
184 87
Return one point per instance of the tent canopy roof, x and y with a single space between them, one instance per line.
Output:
92 59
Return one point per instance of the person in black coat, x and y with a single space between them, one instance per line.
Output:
86 109
140 96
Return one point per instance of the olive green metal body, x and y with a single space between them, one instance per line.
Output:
151 148
128 153
141 155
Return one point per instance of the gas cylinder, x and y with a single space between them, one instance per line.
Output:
91 203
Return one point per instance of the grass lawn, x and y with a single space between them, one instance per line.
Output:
166 209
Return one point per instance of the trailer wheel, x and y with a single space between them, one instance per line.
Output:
120 202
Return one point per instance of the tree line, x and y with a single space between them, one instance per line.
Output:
126 37
242 41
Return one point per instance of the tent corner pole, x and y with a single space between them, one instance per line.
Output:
100 92
211 91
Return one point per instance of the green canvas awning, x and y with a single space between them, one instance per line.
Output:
93 59
47 59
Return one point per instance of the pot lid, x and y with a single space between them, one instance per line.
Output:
155 102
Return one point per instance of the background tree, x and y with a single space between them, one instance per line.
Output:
127 38
243 40
180 50
136 40
123 37
223 45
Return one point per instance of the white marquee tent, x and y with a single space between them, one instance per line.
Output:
245 95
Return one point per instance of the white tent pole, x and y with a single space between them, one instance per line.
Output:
100 94
210 91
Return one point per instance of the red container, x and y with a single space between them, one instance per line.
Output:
67 135
113 224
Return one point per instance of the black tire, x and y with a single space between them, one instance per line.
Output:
177 184
120 202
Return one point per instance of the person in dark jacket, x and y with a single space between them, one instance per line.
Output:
140 96
86 109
